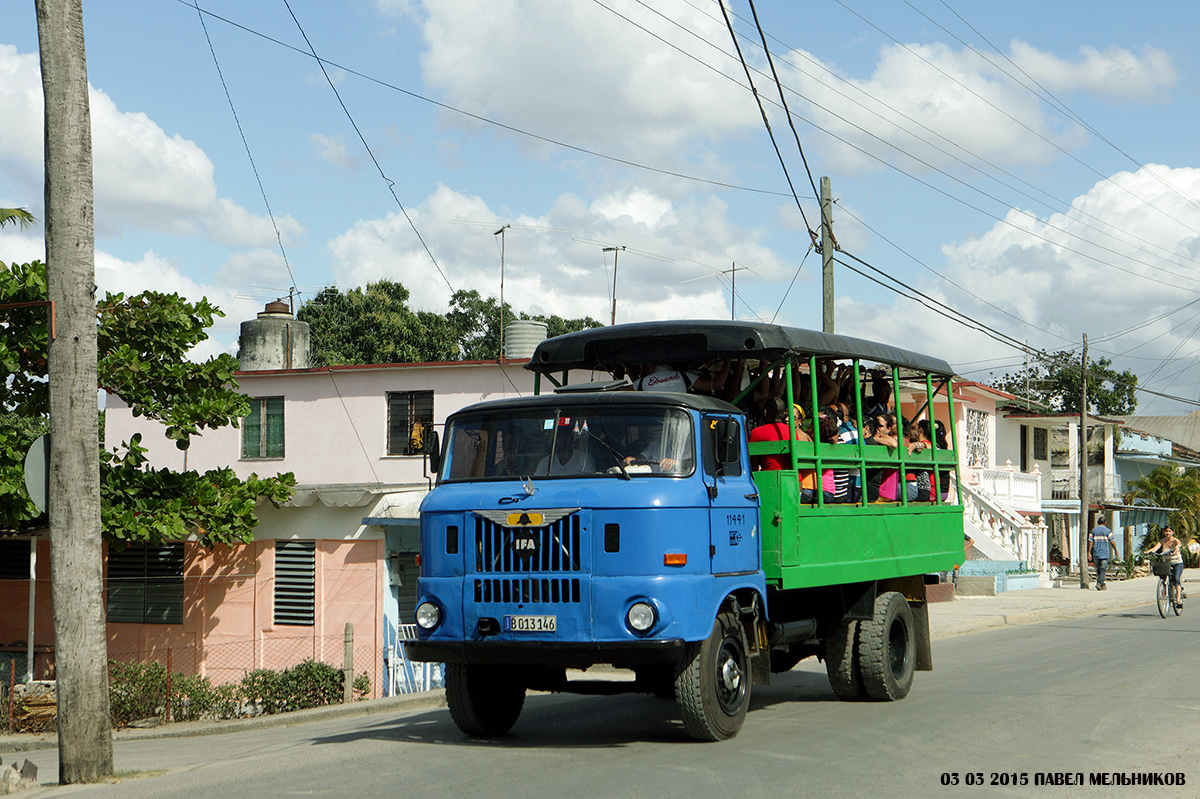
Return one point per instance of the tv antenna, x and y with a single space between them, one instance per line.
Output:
500 231
617 249
277 293
718 273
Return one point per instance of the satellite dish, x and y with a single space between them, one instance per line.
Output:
37 471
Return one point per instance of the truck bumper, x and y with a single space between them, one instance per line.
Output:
548 653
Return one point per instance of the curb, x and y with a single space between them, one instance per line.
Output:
186 729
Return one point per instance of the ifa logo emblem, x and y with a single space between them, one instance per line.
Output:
524 544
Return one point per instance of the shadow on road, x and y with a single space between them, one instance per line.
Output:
573 721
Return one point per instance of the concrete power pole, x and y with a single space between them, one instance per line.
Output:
1083 468
826 256
85 743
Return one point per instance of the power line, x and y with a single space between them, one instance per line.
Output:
390 183
487 120
246 144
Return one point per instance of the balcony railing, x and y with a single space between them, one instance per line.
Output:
1063 484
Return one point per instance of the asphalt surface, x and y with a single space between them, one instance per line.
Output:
961 616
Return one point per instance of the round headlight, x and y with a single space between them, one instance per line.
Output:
429 615
641 617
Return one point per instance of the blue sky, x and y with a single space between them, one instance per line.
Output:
1030 165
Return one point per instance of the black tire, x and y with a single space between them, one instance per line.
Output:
484 700
1177 606
887 649
712 684
786 659
841 661
1164 596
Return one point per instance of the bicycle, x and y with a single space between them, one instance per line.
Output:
1161 567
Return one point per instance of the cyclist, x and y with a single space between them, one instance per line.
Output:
1170 545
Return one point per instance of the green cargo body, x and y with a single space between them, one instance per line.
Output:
805 546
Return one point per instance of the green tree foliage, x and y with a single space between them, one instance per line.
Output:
1053 380
142 357
375 325
1165 487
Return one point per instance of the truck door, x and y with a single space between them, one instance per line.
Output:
733 499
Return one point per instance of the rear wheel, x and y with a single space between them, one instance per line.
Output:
1164 596
841 660
712 684
887 648
484 700
1178 606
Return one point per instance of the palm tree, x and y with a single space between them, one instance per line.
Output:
1165 487
16 216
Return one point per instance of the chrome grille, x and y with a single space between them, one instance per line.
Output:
558 548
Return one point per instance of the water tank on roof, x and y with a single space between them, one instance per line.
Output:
522 337
275 340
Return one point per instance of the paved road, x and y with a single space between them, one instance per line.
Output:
1076 695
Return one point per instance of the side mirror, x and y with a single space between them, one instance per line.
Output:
728 443
433 448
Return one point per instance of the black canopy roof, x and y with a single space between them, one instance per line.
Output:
696 341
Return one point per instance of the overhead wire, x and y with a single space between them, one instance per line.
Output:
391 184
245 143
763 111
488 120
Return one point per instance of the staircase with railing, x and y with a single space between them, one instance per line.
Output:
993 501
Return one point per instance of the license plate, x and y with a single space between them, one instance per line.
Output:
530 624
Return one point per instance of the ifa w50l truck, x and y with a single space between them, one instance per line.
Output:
597 524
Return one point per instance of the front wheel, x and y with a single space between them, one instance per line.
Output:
1164 596
484 700
712 684
887 651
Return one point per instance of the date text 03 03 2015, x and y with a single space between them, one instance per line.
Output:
1063 778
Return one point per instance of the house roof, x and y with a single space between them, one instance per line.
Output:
364 367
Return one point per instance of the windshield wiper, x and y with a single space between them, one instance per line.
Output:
611 451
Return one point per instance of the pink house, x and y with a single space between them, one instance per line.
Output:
342 551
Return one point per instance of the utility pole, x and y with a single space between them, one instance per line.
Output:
826 256
85 743
500 233
614 251
1083 467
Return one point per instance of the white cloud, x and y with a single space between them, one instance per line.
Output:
1116 72
1126 252
583 74
333 149
144 179
557 272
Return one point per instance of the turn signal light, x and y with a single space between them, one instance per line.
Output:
675 559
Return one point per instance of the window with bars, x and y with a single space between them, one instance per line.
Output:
1041 444
977 437
145 584
295 582
410 421
262 430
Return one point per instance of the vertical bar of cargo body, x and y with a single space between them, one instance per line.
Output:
858 413
901 444
954 441
931 417
791 415
814 414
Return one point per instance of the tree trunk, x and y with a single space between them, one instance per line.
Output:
81 657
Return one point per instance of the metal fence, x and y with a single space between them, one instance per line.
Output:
403 676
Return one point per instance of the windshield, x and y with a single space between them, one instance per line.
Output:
574 442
